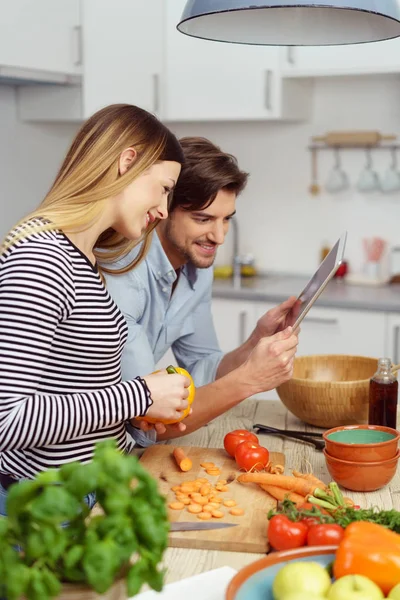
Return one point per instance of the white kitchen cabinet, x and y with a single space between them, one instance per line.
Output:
43 35
357 59
122 62
132 52
208 80
123 53
234 320
392 349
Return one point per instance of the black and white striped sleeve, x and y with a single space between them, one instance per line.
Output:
36 295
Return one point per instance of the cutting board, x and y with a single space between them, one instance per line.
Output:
250 533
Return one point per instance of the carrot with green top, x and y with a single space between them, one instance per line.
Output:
294 484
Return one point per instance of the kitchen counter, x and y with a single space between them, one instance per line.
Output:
183 562
337 294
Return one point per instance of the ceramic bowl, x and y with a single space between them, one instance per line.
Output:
362 443
254 582
361 476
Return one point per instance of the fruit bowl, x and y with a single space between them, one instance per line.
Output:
254 582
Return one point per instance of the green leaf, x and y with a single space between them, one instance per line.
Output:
17 581
19 496
51 582
48 477
83 480
73 556
55 505
135 578
37 589
100 565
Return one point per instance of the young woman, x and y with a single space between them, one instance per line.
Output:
61 334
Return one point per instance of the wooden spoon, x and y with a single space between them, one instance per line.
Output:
314 188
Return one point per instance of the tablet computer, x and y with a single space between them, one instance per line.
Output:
319 280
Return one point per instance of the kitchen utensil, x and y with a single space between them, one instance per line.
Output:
254 582
361 476
314 188
368 180
374 249
362 443
391 180
250 535
337 180
297 435
193 526
328 390
354 138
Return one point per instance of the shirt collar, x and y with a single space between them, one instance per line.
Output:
161 266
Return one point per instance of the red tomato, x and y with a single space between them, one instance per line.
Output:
325 534
251 457
284 534
236 437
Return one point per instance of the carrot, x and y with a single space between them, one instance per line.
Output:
183 462
280 494
294 484
311 478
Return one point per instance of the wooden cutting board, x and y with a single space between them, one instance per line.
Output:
250 533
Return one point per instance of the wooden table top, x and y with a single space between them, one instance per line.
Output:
182 563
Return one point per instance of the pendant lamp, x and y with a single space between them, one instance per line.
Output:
292 22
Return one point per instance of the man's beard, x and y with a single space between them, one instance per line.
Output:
187 254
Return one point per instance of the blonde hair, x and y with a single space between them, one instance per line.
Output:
89 175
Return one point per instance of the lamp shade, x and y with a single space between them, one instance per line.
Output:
292 22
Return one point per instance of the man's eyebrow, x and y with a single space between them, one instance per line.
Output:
201 213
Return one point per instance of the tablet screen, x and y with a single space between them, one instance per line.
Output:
319 280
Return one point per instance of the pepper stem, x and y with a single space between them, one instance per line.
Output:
171 370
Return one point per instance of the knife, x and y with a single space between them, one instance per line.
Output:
192 526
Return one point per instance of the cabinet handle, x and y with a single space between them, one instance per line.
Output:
268 86
77 45
156 92
322 321
290 55
242 326
396 344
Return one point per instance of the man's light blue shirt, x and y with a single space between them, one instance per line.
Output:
159 319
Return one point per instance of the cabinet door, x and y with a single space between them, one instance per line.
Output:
336 331
214 80
357 59
123 53
234 320
40 34
392 349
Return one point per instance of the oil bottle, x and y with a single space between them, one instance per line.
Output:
383 388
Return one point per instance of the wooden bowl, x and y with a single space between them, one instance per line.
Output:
362 443
361 476
254 582
329 390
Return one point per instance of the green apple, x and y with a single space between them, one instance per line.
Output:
355 587
307 577
395 592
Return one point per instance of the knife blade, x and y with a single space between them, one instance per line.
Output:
192 526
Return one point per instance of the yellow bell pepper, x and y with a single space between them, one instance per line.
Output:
190 399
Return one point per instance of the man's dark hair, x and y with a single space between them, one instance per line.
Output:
205 171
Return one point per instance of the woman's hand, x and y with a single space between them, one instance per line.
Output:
169 394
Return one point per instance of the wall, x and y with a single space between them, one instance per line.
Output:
279 221
30 155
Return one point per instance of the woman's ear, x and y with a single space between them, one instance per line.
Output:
126 160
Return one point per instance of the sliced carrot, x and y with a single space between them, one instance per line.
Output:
217 514
229 503
176 505
236 511
213 472
195 508
204 515
205 489
207 465
183 462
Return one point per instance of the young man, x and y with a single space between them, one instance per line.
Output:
167 299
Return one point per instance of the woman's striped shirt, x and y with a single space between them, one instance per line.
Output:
61 339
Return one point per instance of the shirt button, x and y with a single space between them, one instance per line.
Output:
164 290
